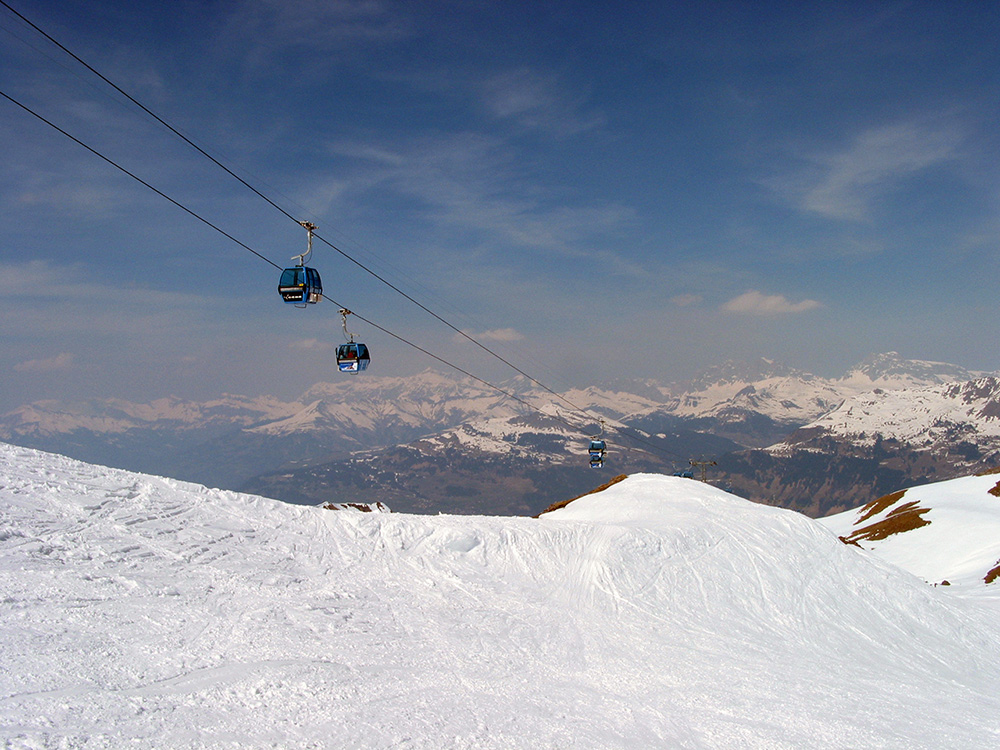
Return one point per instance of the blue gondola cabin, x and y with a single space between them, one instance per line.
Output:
352 357
300 285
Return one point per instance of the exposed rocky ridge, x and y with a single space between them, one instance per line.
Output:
945 532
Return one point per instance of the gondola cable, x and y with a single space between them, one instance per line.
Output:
261 256
279 208
274 204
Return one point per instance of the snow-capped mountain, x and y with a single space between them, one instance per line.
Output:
734 397
340 432
945 532
615 399
430 401
660 612
226 442
423 402
890 371
513 465
959 420
873 444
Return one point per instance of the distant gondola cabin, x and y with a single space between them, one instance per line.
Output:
353 357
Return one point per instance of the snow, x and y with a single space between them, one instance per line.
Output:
427 398
928 417
144 612
733 389
435 400
509 436
794 399
960 542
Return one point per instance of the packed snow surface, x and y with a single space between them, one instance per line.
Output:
143 612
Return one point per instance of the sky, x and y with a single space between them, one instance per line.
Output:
592 191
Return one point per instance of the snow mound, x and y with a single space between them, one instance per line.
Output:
945 531
144 612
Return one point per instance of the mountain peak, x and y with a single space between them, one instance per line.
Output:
743 371
892 370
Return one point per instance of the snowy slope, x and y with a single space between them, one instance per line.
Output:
661 613
946 531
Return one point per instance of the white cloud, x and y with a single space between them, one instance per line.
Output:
59 362
756 303
368 152
497 334
313 345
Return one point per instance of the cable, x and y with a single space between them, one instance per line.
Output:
148 111
264 197
275 265
279 208
619 430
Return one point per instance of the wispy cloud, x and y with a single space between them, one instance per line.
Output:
754 302
67 301
686 300
322 23
59 362
846 184
366 151
474 182
538 101
311 345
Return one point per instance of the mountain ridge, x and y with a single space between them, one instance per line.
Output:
246 443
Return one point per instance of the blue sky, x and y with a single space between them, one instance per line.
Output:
594 190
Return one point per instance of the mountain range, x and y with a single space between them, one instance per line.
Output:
433 442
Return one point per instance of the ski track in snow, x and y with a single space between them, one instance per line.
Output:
144 612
